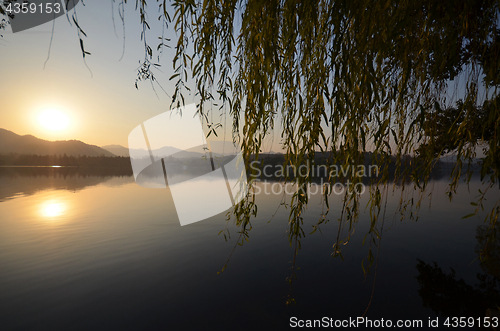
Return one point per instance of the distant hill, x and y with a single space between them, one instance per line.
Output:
165 151
11 142
117 150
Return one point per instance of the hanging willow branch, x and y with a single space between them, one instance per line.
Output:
348 77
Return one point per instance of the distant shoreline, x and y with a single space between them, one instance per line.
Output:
31 166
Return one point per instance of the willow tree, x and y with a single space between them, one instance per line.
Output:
346 77
343 77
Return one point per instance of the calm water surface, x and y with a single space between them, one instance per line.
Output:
102 253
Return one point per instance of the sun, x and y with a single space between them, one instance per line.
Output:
53 120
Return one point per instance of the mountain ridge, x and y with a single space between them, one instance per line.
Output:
11 142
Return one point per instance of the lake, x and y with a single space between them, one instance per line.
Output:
98 252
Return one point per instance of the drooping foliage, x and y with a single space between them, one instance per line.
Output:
348 77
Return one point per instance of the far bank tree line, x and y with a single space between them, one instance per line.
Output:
13 159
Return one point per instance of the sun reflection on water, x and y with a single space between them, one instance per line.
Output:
53 209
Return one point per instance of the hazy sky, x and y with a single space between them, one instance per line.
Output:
103 107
